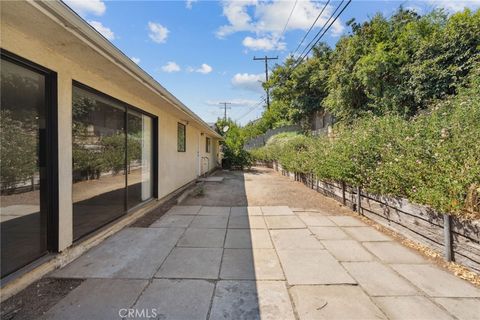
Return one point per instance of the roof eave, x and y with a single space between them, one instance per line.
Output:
94 39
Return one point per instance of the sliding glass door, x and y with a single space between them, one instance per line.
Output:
24 162
112 159
98 161
140 158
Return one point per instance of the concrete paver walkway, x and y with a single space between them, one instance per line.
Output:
260 262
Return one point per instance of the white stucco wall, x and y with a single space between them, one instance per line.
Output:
31 35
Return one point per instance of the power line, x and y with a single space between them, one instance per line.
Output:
225 108
266 74
253 108
335 19
288 20
310 46
311 27
318 33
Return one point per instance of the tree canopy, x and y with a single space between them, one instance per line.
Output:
384 66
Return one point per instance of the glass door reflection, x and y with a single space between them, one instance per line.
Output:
98 161
139 158
23 215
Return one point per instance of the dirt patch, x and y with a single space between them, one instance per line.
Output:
262 187
37 298
229 192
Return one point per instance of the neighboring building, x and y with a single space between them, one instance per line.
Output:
87 137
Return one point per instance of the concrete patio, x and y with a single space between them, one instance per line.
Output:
259 262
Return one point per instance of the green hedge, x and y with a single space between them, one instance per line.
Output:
432 159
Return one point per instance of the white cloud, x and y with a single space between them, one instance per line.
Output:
158 33
84 7
106 32
248 81
136 60
204 68
267 18
455 6
189 3
170 67
265 43
238 17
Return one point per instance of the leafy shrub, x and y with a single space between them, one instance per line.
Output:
433 159
234 156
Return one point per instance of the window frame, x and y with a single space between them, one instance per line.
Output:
49 197
208 144
184 127
155 158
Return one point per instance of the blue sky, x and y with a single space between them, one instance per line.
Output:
201 51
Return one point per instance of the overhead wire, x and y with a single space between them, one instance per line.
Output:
252 108
338 15
317 37
311 27
288 19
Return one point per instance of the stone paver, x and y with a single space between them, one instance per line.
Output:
436 282
120 256
246 222
188 210
462 308
277 211
245 238
261 262
366 234
173 221
333 302
414 307
312 267
83 302
313 219
379 280
347 250
202 238
251 300
311 211
329 233
196 263
294 239
284 222
243 211
346 221
215 211
177 299
209 222
393 252
248 264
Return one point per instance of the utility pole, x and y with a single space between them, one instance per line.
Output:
266 74
225 108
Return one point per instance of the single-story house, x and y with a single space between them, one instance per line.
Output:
88 139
